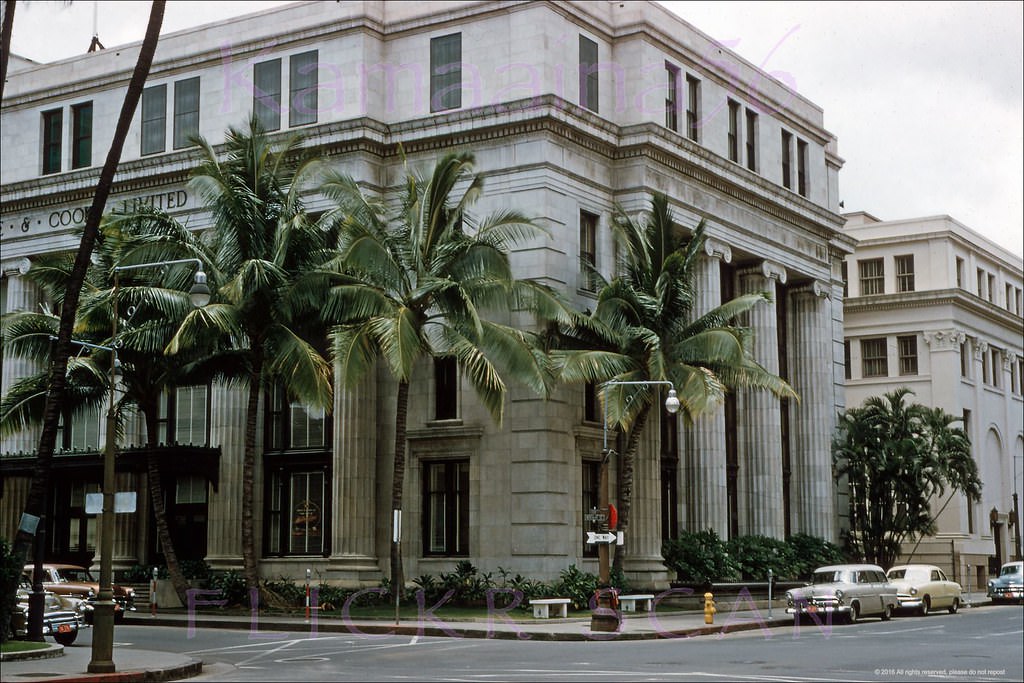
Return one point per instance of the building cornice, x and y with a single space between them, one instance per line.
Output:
955 297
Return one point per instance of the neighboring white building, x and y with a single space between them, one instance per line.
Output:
569 108
936 307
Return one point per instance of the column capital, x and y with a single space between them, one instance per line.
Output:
766 269
944 339
718 249
815 288
18 266
980 347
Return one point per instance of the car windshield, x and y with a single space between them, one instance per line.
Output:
897 573
1010 569
69 574
827 577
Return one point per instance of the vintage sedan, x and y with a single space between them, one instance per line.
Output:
923 587
1009 585
849 590
75 581
63 617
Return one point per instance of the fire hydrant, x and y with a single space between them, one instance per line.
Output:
709 608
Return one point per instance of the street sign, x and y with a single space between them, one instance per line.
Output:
124 501
595 537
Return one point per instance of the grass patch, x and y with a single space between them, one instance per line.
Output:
22 646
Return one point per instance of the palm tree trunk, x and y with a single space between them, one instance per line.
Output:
34 505
625 497
249 472
5 42
156 496
397 483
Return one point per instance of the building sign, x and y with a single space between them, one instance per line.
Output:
306 519
74 216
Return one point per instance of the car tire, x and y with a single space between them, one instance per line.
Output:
66 639
854 613
954 606
926 606
887 613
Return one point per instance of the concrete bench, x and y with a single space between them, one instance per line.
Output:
629 602
541 607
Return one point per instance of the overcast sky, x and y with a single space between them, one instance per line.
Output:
924 97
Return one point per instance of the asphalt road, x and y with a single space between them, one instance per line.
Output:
980 644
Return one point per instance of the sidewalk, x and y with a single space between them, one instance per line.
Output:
70 664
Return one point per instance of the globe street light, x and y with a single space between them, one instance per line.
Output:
103 612
606 619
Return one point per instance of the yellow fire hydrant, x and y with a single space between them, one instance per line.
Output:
709 608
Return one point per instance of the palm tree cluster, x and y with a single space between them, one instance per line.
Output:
391 280
899 458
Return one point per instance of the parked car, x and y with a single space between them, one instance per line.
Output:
63 617
70 579
1009 585
849 590
922 587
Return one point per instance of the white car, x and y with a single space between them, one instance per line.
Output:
924 587
850 590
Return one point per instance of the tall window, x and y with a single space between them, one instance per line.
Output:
81 135
846 359
588 74
672 97
986 374
908 354
591 406
184 415
302 84
186 111
802 166
734 131
446 507
154 119
692 108
446 388
80 431
845 267
751 140
787 166
1020 375
965 361
53 127
872 276
981 283
874 362
997 369
588 251
1009 297
296 513
591 496
446 72
291 425
959 272
991 288
266 94
905 273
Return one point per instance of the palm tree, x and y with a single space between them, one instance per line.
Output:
59 358
260 245
416 284
641 331
897 457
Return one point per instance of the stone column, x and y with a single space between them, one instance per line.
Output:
227 430
810 352
760 417
353 482
705 467
643 562
22 295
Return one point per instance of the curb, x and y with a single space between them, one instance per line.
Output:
51 651
174 673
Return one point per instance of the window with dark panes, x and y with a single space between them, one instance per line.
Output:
873 358
904 273
303 85
671 97
964 360
846 279
297 511
588 251
751 140
446 72
802 178
292 425
734 131
959 272
446 388
847 363
997 366
81 135
692 108
154 119
79 430
591 496
872 276
446 507
588 74
184 416
787 167
53 128
591 405
266 94
908 354
186 112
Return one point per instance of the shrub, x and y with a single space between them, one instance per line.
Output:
699 557
284 593
754 555
578 585
231 585
10 572
811 552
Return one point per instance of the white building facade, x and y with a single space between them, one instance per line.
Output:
936 307
569 108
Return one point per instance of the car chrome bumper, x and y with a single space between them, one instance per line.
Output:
818 609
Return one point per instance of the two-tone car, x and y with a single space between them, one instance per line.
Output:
63 616
847 590
924 587
1009 585
78 582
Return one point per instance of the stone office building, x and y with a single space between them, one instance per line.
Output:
936 307
569 107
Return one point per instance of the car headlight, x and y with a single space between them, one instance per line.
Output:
913 591
839 594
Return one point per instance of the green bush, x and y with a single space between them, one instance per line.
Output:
810 552
578 585
285 593
754 555
231 585
699 557
10 572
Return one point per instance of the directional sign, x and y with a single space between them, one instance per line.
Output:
594 537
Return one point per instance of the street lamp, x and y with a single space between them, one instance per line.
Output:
605 619
103 612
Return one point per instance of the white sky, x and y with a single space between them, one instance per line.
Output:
924 97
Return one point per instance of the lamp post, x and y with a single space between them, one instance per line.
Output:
1016 508
103 613
606 619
